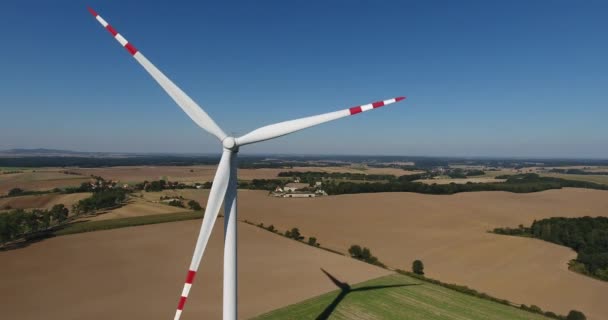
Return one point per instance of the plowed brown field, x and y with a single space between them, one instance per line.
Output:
138 273
449 234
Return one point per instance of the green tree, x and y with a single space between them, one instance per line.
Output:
355 251
194 205
418 267
15 192
575 315
31 221
313 241
294 234
59 213
363 254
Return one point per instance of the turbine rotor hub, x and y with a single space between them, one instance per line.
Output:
229 143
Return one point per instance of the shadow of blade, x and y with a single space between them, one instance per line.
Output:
338 283
346 289
332 306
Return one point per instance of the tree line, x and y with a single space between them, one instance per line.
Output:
586 235
313 176
523 183
19 223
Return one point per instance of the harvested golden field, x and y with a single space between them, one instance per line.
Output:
42 179
138 273
43 201
449 234
137 207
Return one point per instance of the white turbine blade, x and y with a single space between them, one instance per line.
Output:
193 110
216 196
286 127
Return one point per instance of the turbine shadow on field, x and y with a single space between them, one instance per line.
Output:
345 289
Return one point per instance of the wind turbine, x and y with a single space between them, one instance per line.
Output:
225 181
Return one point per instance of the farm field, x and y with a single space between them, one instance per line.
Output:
449 234
205 173
411 298
138 273
137 207
42 201
39 179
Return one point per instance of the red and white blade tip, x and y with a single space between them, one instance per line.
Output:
373 105
123 42
92 12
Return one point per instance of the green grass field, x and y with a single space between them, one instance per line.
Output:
398 297
89 226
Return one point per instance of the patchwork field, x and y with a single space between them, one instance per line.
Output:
138 273
449 234
397 297
206 173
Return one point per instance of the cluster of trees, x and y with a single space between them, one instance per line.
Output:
314 176
19 223
586 235
101 199
364 254
517 183
15 192
462 174
194 205
572 315
160 185
176 203
294 234
262 184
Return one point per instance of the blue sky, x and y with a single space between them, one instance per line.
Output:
483 78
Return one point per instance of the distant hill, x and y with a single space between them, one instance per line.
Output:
42 152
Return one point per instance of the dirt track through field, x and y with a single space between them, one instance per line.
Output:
449 234
138 273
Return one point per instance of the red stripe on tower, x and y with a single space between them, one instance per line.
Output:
131 48
355 110
378 104
399 99
190 276
182 302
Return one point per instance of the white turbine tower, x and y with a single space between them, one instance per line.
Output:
224 185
